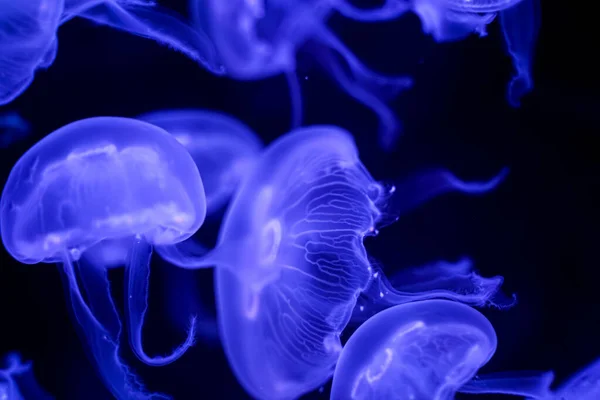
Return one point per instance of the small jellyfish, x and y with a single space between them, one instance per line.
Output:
17 381
28 39
260 39
426 350
102 182
13 128
584 385
223 148
290 260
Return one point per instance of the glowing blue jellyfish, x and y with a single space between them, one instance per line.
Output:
223 148
17 381
259 39
426 350
28 34
290 261
584 385
12 129
91 183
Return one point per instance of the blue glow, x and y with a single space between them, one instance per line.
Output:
520 26
584 385
28 34
291 261
425 350
17 381
223 148
257 40
13 128
100 179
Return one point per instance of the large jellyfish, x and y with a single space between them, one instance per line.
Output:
259 39
290 261
91 183
584 385
426 350
224 148
17 381
28 39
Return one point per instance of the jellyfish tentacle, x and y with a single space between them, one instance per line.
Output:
441 280
137 304
530 384
520 26
96 287
149 21
295 99
104 348
428 184
365 85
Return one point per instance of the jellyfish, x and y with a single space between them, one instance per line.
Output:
17 381
259 39
28 39
223 148
13 128
290 261
584 385
90 183
426 350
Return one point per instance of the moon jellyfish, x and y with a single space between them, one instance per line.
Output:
223 148
12 128
259 39
91 183
28 39
17 381
426 350
584 385
290 261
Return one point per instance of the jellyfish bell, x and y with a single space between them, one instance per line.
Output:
94 180
260 39
223 148
583 385
426 350
290 260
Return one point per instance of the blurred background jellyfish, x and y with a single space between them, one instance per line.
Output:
223 148
258 39
584 385
17 381
290 261
425 350
89 182
13 128
28 39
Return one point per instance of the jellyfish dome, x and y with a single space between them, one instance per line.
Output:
426 350
584 385
97 184
224 148
290 261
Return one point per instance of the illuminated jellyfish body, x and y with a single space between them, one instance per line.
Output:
426 350
584 385
100 182
223 148
28 39
290 261
17 381
259 39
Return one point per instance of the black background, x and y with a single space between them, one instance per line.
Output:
539 229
